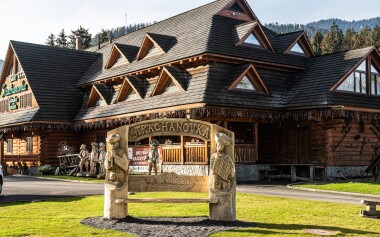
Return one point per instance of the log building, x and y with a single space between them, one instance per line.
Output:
292 112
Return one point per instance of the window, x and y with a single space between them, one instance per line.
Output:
236 8
132 95
375 81
26 100
245 84
119 60
252 40
4 106
356 81
9 146
29 144
297 49
152 51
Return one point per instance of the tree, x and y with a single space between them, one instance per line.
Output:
61 40
316 42
375 36
349 39
83 34
333 40
51 40
364 38
103 36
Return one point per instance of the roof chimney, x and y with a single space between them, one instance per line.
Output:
78 43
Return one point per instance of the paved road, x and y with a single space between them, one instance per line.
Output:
280 190
33 189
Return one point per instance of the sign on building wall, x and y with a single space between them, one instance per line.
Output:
139 164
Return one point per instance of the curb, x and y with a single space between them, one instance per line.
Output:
54 179
290 186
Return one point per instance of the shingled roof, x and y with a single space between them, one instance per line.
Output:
197 31
52 73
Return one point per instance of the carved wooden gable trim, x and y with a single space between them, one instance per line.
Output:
238 9
166 79
254 78
149 48
303 43
115 56
257 31
126 90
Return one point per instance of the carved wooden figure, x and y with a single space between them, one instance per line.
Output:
117 166
84 156
222 181
102 158
94 159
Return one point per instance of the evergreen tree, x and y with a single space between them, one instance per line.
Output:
375 36
349 39
61 40
50 40
364 38
83 34
316 42
332 41
103 36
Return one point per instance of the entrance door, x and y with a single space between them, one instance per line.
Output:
267 143
303 145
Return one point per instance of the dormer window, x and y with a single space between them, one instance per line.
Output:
152 51
132 95
297 49
167 83
236 8
248 79
252 40
170 87
119 60
365 79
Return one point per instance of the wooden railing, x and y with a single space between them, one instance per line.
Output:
171 154
245 153
196 154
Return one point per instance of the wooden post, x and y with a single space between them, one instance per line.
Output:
256 142
293 173
182 151
113 210
312 173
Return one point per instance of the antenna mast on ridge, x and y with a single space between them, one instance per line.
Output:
126 24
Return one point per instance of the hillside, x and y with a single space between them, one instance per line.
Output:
324 25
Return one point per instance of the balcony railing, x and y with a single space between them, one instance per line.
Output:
245 153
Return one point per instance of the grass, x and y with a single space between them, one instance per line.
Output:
66 177
357 187
274 216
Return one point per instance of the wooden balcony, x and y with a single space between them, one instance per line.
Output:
245 153
196 154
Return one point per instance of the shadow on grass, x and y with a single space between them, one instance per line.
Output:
281 229
16 200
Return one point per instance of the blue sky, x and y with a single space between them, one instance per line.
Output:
33 20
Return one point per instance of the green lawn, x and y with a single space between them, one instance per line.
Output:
357 187
274 216
66 177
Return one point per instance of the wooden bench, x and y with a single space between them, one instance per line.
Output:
370 209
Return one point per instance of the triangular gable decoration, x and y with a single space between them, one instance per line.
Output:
238 9
167 83
116 58
128 91
301 47
249 80
148 48
252 34
96 97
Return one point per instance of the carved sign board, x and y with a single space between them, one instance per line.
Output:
168 182
167 127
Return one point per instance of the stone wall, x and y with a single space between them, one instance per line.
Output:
334 172
249 173
194 170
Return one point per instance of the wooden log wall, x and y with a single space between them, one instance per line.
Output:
19 152
50 144
351 143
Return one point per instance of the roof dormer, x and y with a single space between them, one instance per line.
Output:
301 47
252 34
154 44
100 94
131 89
121 54
238 9
171 80
248 79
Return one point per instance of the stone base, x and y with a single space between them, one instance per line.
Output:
194 170
249 173
339 172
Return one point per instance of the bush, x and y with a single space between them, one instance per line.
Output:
46 169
